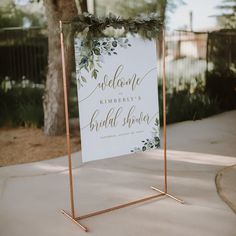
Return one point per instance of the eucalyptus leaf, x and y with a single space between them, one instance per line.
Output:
91 65
94 74
83 79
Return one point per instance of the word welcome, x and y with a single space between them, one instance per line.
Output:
117 81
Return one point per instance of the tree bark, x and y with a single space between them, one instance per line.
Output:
83 5
54 113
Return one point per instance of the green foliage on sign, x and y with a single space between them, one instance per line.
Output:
150 143
92 52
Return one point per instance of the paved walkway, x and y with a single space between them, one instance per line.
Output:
31 195
213 135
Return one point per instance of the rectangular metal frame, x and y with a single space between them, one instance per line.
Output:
161 193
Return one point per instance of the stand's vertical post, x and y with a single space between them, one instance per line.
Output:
67 121
164 106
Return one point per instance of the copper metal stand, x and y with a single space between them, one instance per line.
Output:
72 216
165 192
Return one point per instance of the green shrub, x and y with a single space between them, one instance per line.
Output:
21 107
221 80
24 107
221 85
183 105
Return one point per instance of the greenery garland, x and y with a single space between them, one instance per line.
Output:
102 35
147 26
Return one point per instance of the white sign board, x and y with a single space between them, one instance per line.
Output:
118 96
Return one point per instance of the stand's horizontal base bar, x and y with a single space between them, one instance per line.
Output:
77 219
168 195
118 207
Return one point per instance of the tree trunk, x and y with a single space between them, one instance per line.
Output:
54 113
83 5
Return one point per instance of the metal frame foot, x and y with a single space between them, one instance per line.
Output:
74 220
168 195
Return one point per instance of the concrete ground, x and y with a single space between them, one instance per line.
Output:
31 195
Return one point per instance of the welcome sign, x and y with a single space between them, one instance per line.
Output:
117 95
